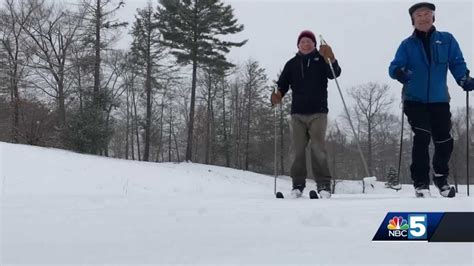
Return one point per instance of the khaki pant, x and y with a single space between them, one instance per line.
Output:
303 129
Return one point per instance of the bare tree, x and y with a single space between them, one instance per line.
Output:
14 18
255 81
284 111
129 78
210 82
115 62
458 158
371 101
237 121
225 89
52 30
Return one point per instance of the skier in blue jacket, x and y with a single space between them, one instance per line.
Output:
421 64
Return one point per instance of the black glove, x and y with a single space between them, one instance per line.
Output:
467 83
403 75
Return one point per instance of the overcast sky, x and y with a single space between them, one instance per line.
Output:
364 36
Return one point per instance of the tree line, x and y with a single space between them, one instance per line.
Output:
173 96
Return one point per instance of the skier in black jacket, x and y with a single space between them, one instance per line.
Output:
307 75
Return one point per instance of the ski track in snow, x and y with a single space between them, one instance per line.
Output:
62 208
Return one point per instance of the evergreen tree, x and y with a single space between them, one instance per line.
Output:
190 28
148 52
392 179
99 33
87 129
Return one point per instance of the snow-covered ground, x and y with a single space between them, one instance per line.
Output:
62 208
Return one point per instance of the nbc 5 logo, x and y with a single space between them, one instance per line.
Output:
418 226
413 228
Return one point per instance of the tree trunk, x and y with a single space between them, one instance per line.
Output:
189 148
97 101
146 155
238 129
61 104
369 140
135 118
107 122
247 140
15 95
148 88
97 61
213 134
127 127
160 140
226 142
169 135
176 146
208 119
132 123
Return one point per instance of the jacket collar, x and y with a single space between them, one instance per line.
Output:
422 35
304 56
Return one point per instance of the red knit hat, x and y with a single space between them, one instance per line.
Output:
308 34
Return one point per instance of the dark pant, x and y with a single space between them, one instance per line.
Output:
429 121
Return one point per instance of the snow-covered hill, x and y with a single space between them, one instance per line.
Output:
62 208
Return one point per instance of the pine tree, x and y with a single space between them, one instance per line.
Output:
189 28
392 179
99 20
87 130
148 52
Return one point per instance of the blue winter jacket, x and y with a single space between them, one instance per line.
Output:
428 81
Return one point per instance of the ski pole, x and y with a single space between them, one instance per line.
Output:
401 148
275 148
347 112
467 141
275 164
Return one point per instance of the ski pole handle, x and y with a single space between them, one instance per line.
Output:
271 104
322 40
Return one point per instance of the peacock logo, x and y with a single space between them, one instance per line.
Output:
398 223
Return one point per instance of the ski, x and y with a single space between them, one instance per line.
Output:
313 195
451 193
395 187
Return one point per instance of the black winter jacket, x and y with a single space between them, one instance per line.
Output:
307 75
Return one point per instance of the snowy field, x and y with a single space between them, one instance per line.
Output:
62 208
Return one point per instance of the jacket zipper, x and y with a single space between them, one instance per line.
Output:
430 60
302 68
429 84
429 70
